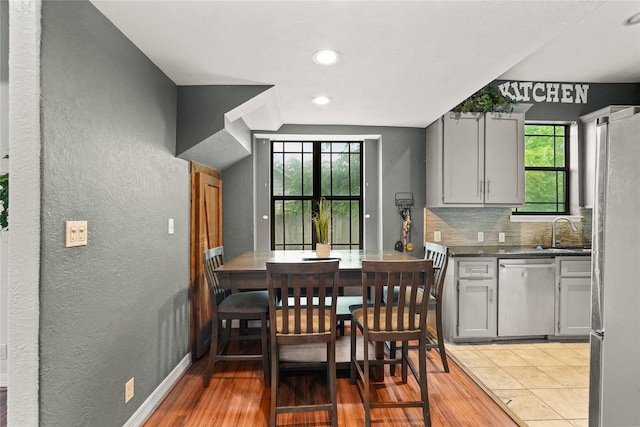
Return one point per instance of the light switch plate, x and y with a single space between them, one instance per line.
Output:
128 390
480 236
76 233
501 237
437 236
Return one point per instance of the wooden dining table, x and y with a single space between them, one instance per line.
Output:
249 272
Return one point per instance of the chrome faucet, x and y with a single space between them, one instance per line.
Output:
553 229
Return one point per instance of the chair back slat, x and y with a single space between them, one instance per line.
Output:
213 259
310 288
439 254
406 279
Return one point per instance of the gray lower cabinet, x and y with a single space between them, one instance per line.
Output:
573 298
476 297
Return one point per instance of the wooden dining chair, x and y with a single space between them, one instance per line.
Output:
401 319
227 307
306 317
439 254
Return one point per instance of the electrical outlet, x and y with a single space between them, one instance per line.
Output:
480 236
3 352
128 390
171 226
501 237
437 236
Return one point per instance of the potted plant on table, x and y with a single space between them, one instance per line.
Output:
321 220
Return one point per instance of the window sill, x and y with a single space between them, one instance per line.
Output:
543 218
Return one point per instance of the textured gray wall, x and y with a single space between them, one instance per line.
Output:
117 308
201 110
237 208
403 170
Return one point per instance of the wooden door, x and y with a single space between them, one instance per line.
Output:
206 232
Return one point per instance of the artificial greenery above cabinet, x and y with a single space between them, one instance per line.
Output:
476 159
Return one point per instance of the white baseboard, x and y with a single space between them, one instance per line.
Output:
3 380
146 409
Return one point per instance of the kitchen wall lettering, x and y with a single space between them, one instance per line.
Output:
565 93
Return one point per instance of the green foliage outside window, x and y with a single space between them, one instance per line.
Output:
546 169
293 194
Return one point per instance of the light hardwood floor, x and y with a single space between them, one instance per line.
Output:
237 396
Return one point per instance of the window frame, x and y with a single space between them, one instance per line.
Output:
566 169
316 194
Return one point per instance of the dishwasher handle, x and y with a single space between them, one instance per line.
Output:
527 265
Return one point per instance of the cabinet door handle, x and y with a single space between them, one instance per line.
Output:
490 295
481 186
488 186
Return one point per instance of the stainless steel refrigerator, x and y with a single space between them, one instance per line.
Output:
614 390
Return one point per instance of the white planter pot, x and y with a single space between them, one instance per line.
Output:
323 250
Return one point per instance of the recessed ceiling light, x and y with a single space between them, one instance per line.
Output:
321 100
325 57
632 20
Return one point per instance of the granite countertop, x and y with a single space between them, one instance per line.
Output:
514 251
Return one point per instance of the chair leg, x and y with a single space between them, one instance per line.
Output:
441 350
274 382
353 355
366 385
213 351
226 337
392 355
331 374
405 357
265 349
243 325
424 391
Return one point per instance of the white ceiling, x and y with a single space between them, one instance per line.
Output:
403 63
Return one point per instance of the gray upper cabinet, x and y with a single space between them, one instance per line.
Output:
463 158
475 159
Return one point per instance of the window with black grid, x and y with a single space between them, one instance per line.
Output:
303 172
546 169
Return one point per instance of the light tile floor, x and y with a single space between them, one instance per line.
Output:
544 384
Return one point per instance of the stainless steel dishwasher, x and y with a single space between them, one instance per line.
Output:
526 297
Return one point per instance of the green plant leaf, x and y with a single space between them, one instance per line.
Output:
487 99
321 220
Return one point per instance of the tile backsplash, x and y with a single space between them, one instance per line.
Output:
460 227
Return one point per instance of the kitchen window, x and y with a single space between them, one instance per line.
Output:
546 169
304 171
